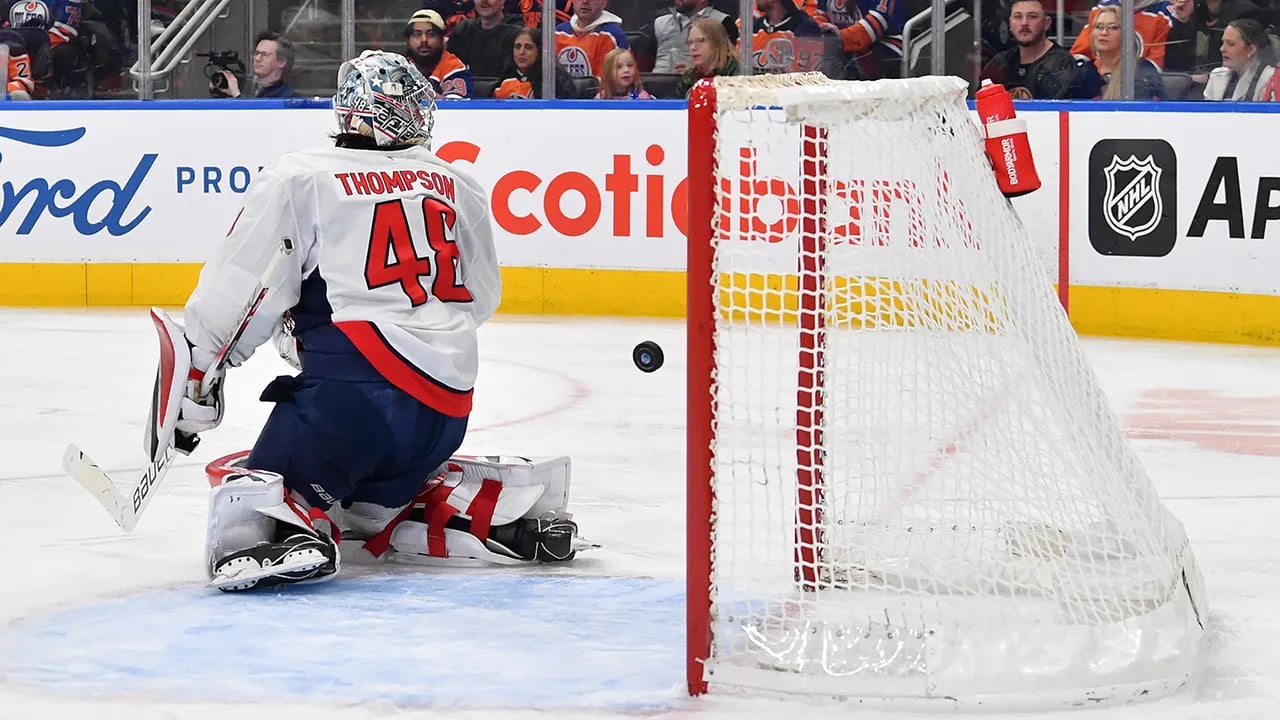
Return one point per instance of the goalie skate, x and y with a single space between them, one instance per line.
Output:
300 557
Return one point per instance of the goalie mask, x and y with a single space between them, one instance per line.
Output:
383 96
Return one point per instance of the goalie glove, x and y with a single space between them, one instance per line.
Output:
202 404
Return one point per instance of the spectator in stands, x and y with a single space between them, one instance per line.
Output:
710 54
670 32
530 11
870 33
1180 46
1036 67
484 41
272 61
523 78
451 12
20 85
1106 50
424 36
1152 21
584 40
50 31
1248 63
785 39
1209 21
620 77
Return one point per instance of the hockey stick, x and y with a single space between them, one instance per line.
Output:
126 510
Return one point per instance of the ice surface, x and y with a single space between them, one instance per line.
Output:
98 624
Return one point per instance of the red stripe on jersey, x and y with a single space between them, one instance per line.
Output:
401 373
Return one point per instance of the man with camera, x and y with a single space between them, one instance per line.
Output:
272 61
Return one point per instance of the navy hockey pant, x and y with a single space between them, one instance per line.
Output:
338 440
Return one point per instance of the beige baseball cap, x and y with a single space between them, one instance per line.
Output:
430 17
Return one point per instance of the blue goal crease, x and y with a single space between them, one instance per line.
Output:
563 642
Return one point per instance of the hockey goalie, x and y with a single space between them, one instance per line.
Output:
372 263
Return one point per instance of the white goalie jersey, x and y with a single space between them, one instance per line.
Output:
393 255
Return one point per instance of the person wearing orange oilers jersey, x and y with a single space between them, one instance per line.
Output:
785 39
19 85
584 40
870 34
48 29
1152 21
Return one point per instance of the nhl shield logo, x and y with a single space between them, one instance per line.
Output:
1132 205
1133 197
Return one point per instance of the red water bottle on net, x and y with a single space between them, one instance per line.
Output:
1007 142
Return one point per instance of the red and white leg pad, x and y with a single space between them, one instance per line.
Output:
476 511
247 508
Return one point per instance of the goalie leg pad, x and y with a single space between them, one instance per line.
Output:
468 515
259 536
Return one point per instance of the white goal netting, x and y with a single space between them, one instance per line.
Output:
920 490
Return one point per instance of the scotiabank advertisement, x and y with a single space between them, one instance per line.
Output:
581 187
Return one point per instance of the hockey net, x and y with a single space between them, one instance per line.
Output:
904 480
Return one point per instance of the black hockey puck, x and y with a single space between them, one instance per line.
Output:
647 356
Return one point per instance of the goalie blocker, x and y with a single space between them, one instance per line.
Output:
474 511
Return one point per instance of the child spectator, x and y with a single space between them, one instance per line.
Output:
710 54
484 41
1106 49
583 41
620 77
523 79
1247 64
424 40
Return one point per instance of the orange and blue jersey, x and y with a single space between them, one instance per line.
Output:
1151 23
19 78
61 18
863 23
451 78
581 51
793 45
531 11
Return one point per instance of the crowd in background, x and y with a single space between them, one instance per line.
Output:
1187 49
